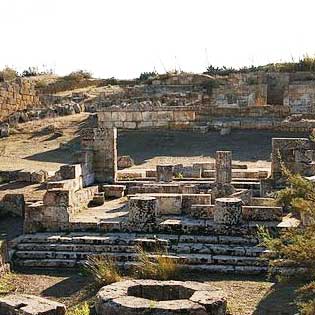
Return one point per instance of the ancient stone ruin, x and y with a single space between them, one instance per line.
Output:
204 215
206 218
160 297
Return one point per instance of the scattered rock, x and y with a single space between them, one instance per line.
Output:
125 161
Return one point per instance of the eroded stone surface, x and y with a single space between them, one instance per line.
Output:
160 298
23 304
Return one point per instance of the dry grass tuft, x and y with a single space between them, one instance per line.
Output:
104 269
160 267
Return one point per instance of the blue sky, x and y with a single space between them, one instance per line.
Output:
123 38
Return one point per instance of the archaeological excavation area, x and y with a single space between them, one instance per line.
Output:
197 191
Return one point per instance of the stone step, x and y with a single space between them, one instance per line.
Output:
179 248
70 263
190 259
127 239
217 249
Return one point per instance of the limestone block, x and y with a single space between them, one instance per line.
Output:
228 211
190 199
39 176
164 173
130 125
125 161
19 304
142 211
184 116
70 171
202 211
24 176
223 167
57 197
168 203
262 213
114 191
119 116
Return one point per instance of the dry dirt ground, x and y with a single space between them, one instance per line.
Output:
246 296
31 147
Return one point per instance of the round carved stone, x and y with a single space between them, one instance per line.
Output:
228 211
142 211
164 173
140 297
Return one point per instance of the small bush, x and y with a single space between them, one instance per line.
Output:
8 74
160 268
104 269
83 309
77 76
296 246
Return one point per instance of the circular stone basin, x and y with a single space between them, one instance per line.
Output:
151 297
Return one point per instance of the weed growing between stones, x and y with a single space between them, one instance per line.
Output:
160 267
83 309
104 269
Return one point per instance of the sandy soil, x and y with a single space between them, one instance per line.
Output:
246 295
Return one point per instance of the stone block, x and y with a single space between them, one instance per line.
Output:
114 191
190 199
57 197
20 304
70 171
164 173
142 211
202 211
125 161
184 116
39 176
130 125
262 213
228 211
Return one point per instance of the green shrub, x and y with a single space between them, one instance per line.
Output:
104 269
296 246
161 267
83 309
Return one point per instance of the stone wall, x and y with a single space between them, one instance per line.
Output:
300 97
63 199
17 96
177 117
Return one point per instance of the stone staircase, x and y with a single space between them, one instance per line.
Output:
212 253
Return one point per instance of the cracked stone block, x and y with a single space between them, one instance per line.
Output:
228 211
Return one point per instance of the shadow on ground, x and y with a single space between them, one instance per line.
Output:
64 155
246 145
278 300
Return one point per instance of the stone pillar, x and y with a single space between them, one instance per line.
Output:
142 211
164 173
103 143
223 164
228 211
